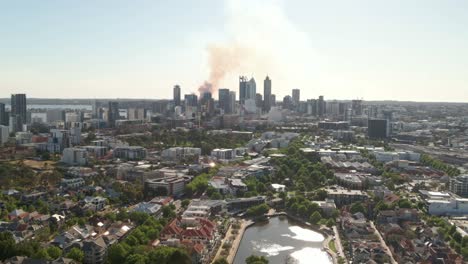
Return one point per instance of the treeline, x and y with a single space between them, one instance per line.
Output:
161 139
309 211
439 165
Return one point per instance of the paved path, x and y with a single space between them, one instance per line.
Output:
338 245
384 245
235 244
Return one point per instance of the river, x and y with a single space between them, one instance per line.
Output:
282 240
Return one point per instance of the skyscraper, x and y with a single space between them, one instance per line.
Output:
296 96
177 95
3 120
258 100
267 94
242 89
251 91
18 106
321 106
223 100
356 105
232 102
113 113
191 100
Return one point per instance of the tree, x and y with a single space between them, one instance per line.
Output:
315 217
358 208
54 252
185 203
7 246
221 261
76 254
258 210
252 259
136 259
41 254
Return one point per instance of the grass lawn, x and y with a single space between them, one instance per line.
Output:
332 246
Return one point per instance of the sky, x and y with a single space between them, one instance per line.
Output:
412 50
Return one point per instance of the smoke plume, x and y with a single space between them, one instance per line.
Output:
261 40
222 60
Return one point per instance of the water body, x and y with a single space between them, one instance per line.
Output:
282 240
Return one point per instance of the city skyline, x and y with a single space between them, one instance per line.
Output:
398 50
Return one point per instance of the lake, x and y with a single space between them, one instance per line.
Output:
282 240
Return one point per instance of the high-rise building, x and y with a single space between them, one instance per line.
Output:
287 102
191 100
321 106
377 128
296 96
273 100
232 102
267 94
356 105
177 95
251 90
312 108
459 185
113 113
224 100
3 115
4 134
258 100
18 110
242 89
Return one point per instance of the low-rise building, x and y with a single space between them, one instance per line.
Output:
344 196
130 153
167 186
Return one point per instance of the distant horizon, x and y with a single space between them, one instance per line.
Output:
7 99
382 50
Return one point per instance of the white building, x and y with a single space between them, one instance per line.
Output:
75 156
180 153
448 207
75 135
224 154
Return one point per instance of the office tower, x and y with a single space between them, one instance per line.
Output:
54 115
18 110
312 107
207 103
4 134
296 96
333 108
251 90
224 100
287 102
177 95
459 185
258 100
377 128
273 100
321 106
232 102
267 94
3 115
356 105
242 89
191 100
342 107
113 113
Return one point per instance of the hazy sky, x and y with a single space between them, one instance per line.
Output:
370 49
